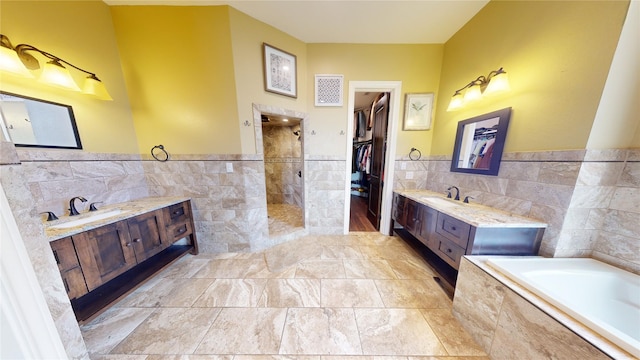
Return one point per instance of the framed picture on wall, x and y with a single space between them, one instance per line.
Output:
417 111
279 71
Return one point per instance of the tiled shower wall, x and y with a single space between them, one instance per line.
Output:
588 198
283 164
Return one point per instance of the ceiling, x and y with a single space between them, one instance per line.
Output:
351 21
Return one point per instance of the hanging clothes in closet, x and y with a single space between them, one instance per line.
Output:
361 157
360 124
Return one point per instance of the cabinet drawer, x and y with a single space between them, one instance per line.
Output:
74 283
453 229
178 213
65 254
451 252
178 231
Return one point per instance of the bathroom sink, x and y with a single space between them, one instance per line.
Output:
89 219
438 201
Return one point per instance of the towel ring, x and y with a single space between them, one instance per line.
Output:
411 152
166 154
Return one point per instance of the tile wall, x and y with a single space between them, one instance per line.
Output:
227 194
324 194
588 198
282 162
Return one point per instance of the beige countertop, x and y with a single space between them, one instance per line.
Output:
474 214
108 214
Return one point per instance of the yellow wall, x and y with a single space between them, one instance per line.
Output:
178 68
81 33
417 66
247 37
557 54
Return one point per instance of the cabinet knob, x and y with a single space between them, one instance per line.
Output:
129 244
137 240
453 228
181 230
449 250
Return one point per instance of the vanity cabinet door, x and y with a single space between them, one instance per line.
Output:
104 253
398 209
412 211
147 234
67 260
429 218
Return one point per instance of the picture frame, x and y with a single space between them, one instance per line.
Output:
418 109
280 71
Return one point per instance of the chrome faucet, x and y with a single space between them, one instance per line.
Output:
72 206
457 192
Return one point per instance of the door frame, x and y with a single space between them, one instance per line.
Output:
394 88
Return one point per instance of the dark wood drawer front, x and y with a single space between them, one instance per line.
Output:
65 254
452 253
178 213
178 231
453 229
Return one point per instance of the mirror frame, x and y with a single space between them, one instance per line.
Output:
503 116
72 120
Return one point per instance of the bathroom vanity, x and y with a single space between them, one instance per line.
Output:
451 228
104 255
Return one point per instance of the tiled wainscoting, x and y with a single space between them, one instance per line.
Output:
588 197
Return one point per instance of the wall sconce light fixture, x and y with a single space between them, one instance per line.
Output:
497 81
17 61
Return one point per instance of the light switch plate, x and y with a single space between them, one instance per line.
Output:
229 167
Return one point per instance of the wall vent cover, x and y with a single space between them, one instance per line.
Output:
329 90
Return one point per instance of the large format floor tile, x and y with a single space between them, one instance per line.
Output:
362 296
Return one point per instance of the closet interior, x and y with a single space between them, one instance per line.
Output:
363 118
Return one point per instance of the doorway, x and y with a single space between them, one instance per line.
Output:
386 167
280 141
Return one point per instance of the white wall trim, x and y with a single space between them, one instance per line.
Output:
395 89
27 328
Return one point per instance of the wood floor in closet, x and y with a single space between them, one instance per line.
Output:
358 217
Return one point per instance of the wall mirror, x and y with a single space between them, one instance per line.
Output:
479 143
30 122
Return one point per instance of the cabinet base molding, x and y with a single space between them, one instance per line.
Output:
89 306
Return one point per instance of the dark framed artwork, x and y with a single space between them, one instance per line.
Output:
279 71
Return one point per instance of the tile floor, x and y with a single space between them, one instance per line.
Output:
359 296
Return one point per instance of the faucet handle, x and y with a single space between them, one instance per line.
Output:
50 215
448 194
466 199
92 206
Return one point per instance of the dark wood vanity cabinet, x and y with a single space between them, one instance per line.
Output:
100 265
450 238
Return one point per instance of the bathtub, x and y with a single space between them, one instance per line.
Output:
602 297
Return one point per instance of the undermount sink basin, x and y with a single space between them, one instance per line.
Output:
89 219
440 201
